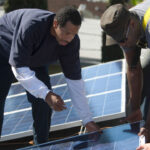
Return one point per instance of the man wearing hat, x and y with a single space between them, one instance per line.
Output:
131 30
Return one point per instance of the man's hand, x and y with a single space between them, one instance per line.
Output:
55 102
133 116
144 147
92 126
146 133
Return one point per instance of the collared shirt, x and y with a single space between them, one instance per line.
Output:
26 42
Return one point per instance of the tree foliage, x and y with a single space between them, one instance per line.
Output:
11 5
135 2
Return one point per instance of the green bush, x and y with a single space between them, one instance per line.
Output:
135 2
11 5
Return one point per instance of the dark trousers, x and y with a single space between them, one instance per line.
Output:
41 112
146 92
145 62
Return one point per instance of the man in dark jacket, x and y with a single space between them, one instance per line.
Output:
30 39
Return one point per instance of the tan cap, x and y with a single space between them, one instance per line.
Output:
114 21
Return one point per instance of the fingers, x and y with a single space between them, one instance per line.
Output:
92 126
140 147
142 132
146 133
124 120
60 102
58 105
133 117
55 102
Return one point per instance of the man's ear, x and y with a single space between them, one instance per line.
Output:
55 23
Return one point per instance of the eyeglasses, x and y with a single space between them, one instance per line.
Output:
126 36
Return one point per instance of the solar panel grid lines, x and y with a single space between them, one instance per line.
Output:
88 96
58 78
21 126
75 123
104 84
55 86
59 90
67 100
106 95
17 111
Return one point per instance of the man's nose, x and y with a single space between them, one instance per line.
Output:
69 38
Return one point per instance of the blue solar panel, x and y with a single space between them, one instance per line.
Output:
91 86
16 103
122 137
105 89
87 73
100 110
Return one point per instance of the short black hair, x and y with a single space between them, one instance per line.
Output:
66 14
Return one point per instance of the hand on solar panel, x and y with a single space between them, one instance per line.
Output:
55 102
144 147
144 131
92 126
133 116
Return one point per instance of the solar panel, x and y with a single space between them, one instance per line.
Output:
122 137
105 89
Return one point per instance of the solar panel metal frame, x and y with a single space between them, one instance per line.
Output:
78 123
